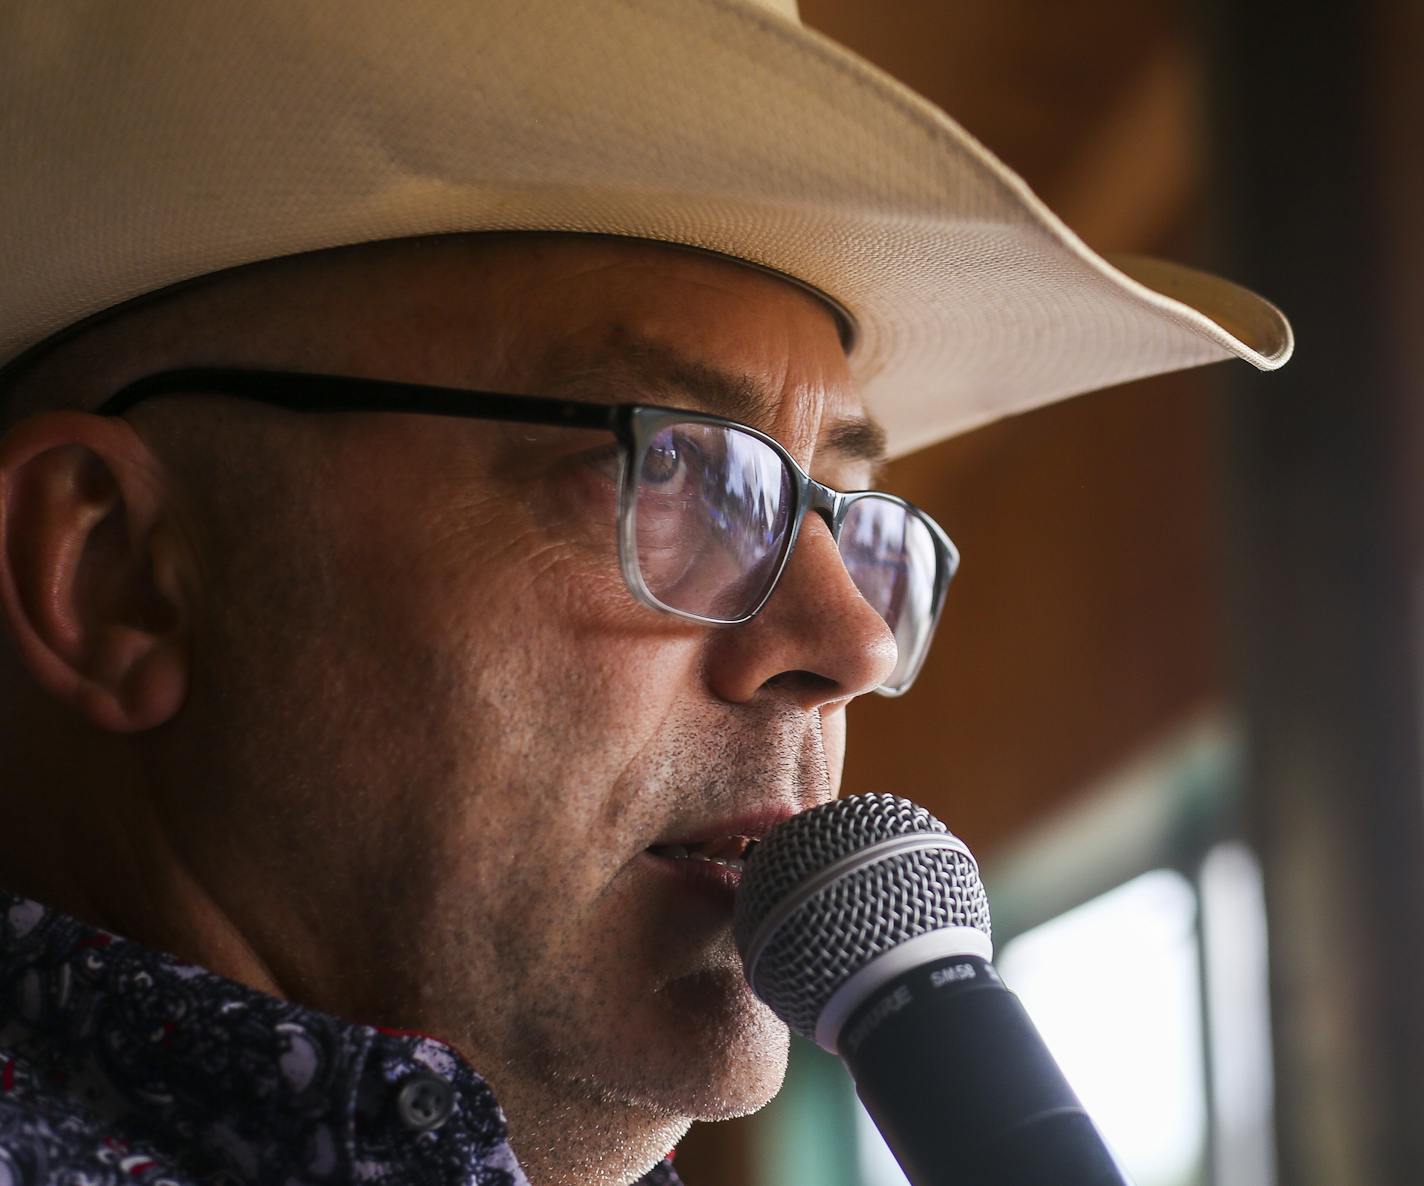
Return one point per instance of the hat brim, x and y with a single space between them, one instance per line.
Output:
164 140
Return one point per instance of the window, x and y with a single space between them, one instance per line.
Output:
1170 1049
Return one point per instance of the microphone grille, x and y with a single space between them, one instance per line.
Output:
809 916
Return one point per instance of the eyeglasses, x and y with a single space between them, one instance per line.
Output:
709 510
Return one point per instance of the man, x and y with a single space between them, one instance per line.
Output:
384 745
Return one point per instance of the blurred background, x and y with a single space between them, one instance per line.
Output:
1175 705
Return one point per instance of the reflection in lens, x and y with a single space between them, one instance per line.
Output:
711 512
890 554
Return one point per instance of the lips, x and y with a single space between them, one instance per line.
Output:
710 860
727 851
728 840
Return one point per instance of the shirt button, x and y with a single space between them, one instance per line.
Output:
424 1102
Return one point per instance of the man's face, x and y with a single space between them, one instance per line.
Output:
430 736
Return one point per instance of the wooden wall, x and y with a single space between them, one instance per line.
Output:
1085 617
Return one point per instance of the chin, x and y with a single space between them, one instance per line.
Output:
732 1064
731 1091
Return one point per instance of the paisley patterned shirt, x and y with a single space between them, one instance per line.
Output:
120 1064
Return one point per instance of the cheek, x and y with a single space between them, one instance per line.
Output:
550 674
530 658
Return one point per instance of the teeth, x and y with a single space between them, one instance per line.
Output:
725 862
679 852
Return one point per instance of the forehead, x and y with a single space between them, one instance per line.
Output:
642 322
585 316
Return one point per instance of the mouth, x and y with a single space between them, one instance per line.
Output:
710 862
730 852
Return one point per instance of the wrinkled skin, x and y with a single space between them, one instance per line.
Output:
358 709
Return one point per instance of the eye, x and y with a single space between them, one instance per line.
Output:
670 462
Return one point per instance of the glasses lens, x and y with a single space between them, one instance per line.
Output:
712 508
890 553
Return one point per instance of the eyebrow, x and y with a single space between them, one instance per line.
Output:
652 367
858 439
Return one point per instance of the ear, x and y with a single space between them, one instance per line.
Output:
92 569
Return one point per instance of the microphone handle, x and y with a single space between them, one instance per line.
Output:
957 1079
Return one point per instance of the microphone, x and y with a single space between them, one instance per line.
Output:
864 925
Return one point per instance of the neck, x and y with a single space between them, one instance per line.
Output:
565 1137
88 842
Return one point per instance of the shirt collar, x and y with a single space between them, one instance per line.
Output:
220 1073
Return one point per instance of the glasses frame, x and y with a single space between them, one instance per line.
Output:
634 426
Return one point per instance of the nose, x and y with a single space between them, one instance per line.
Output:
816 641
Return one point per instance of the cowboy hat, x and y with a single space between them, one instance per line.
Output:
151 142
